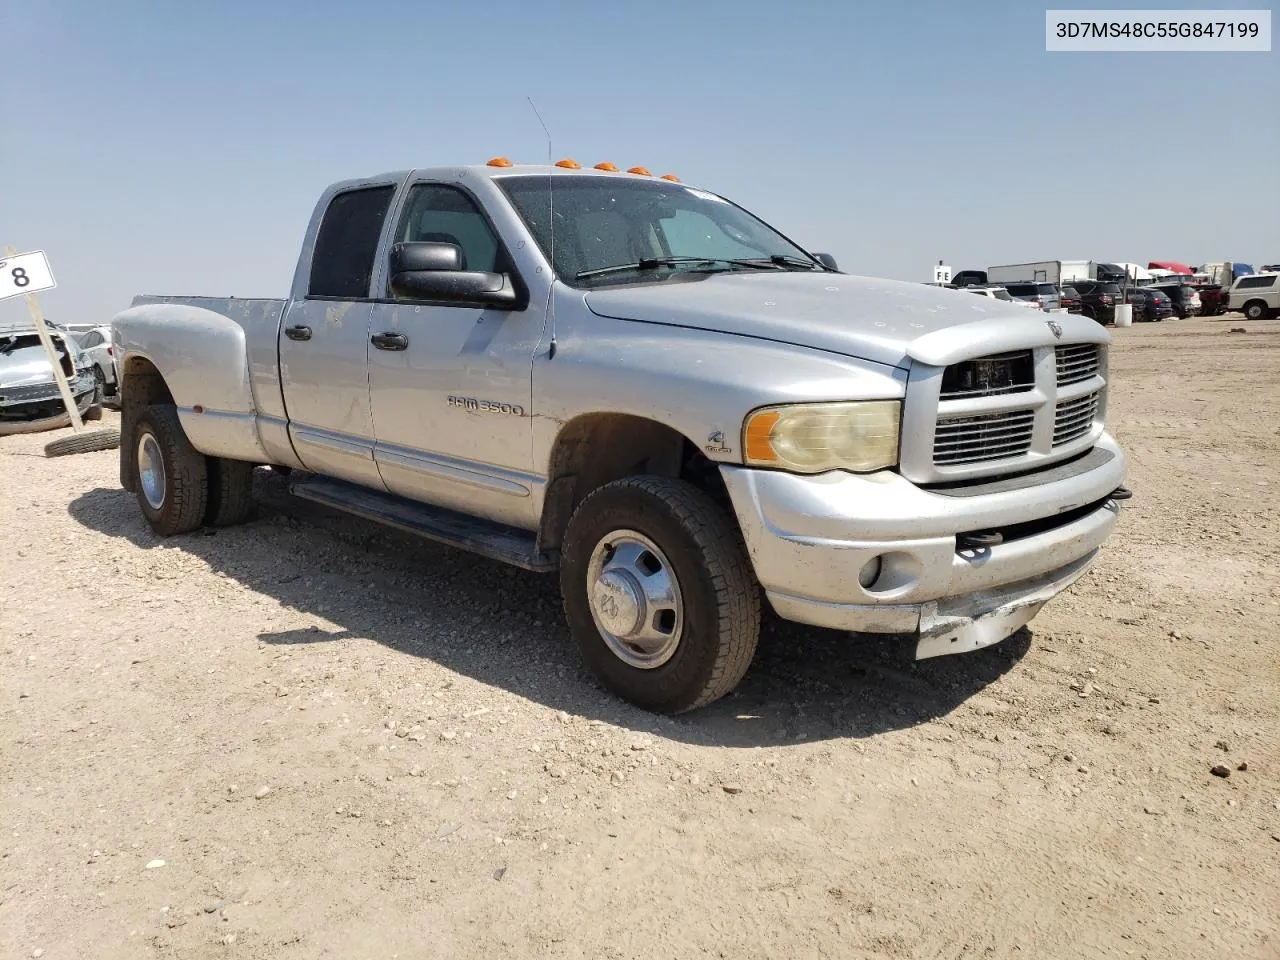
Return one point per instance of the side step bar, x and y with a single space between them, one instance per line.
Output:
508 544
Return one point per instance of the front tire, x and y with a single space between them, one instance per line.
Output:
1255 310
659 593
173 477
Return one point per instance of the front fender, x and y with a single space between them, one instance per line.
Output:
203 359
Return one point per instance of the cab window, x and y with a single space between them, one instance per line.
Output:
443 214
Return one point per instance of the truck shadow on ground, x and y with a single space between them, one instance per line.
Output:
504 627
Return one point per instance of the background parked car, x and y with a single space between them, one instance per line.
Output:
97 344
1098 299
970 278
1136 297
1069 299
1159 306
1213 299
1258 296
999 293
1043 295
1186 301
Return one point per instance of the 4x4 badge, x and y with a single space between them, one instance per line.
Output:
1056 328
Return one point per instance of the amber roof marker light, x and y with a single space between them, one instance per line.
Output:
569 164
670 176
499 162
639 171
612 168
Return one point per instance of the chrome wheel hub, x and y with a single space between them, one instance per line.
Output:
635 599
151 471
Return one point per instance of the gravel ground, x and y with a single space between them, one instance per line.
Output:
308 737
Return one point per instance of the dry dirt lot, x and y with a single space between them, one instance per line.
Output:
307 737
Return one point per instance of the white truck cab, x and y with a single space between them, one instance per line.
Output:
1256 295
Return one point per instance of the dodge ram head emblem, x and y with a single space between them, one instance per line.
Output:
1056 328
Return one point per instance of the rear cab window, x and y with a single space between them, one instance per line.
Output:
342 262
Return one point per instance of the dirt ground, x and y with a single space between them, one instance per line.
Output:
308 737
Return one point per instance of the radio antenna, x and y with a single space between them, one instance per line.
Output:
551 214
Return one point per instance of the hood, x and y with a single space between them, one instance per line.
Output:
885 321
23 361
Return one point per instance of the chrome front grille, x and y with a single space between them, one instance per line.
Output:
1072 419
1076 362
979 439
1003 412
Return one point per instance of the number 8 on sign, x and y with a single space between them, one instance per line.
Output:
25 273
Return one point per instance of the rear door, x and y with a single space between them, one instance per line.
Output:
452 385
324 340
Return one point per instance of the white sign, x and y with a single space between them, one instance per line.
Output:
942 273
25 273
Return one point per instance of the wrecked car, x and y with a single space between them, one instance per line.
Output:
30 400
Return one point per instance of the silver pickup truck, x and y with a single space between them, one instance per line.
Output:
644 387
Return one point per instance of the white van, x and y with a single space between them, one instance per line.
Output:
1257 295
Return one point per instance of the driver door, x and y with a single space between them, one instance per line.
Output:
450 384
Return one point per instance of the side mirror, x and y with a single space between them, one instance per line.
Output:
434 272
826 260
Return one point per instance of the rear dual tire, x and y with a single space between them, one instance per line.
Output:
179 489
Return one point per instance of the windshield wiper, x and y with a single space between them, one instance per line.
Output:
786 260
652 263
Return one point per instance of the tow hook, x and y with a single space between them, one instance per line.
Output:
1121 493
980 540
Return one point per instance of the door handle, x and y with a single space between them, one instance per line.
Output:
298 333
390 341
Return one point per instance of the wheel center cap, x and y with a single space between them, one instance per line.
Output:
618 602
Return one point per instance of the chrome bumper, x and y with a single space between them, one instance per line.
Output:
810 539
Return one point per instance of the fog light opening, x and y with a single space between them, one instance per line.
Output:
870 572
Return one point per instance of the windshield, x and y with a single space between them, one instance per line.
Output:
1109 288
1047 290
634 225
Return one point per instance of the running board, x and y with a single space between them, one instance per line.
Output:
493 540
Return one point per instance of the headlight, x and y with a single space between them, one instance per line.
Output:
861 436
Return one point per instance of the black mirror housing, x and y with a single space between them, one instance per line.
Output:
412 257
827 260
432 272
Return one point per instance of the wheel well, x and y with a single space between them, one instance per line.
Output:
1258 300
598 448
140 386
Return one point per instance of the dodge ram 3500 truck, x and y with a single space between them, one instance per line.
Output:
644 387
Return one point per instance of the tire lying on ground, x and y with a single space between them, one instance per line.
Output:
87 442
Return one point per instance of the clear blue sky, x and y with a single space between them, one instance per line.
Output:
170 147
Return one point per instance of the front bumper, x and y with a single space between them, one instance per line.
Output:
878 554
42 401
